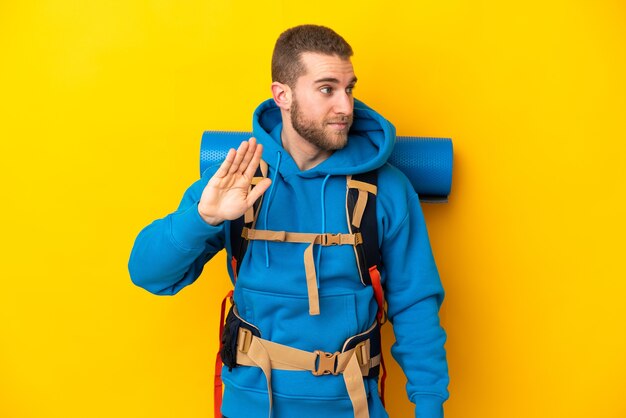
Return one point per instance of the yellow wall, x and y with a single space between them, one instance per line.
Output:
102 105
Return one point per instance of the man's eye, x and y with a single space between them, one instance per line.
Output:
349 89
326 90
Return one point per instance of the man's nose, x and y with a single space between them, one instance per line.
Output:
344 103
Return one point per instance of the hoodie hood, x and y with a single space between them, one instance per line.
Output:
371 141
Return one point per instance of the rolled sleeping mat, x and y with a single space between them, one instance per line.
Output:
427 162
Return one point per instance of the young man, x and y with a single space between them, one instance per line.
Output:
304 334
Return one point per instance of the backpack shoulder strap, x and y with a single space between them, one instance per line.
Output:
239 245
361 211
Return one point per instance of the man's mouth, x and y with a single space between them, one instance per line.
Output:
339 124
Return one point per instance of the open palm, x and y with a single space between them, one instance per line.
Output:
227 195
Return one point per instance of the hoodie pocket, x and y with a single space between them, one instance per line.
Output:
285 319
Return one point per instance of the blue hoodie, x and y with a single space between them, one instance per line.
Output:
271 290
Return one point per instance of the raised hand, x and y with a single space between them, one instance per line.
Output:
227 195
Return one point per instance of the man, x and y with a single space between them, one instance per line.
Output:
299 301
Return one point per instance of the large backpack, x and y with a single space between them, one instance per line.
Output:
361 212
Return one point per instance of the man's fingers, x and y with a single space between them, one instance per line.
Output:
249 154
228 161
254 162
257 191
241 152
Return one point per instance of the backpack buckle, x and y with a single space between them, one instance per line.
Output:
331 239
325 363
361 351
244 340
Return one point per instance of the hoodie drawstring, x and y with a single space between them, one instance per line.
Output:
319 251
267 206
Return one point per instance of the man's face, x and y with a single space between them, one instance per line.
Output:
322 101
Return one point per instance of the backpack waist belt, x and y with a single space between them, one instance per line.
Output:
352 363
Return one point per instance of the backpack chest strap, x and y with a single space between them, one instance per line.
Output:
325 240
309 264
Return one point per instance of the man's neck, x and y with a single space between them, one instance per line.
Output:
305 154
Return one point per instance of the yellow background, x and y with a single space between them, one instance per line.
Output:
102 106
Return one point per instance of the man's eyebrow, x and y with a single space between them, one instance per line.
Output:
333 80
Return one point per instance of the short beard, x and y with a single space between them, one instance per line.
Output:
316 134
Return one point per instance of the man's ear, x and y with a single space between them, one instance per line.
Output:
282 95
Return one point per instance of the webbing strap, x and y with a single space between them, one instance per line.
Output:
284 357
356 388
309 262
301 237
217 381
251 214
359 208
248 217
361 185
379 294
263 167
259 356
362 207
255 351
233 266
311 281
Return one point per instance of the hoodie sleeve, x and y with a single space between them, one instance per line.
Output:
414 294
170 253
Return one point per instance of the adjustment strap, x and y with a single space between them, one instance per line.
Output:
311 281
259 356
263 167
249 216
261 173
361 203
359 208
379 294
301 237
356 388
361 185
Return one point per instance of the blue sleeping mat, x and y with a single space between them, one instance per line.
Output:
427 162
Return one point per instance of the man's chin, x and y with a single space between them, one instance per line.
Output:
339 143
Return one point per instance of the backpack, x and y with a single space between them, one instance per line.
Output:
361 212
